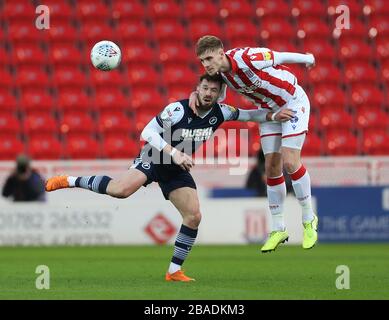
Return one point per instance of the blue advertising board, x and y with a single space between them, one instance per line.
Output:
352 213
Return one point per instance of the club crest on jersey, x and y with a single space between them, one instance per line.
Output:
213 120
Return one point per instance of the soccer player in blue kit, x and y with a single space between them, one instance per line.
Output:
171 138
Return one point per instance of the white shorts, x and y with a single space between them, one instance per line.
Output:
289 134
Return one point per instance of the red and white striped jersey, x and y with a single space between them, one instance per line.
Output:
255 76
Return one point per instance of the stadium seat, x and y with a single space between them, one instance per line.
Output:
120 147
313 123
330 95
111 99
179 74
73 100
22 33
6 79
236 9
325 73
321 49
300 71
44 147
313 145
308 8
356 31
275 8
382 45
9 124
199 28
241 29
28 78
92 11
4 55
143 118
351 49
18 11
63 32
276 28
368 118
164 9
385 71
282 45
133 30
375 143
36 100
29 55
59 10
312 28
353 5
7 101
114 122
63 54
366 94
175 93
176 53
40 123
360 73
340 143
108 79
381 25
201 9
81 147
335 118
69 77
77 122
143 75
138 53
93 32
169 31
128 10
10 147
145 100
375 7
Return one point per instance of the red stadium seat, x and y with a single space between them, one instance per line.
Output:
236 9
313 145
241 29
368 118
143 75
357 50
313 123
330 95
275 8
147 100
10 147
133 30
66 54
281 45
357 31
36 124
169 31
19 10
375 143
77 122
23 33
375 7
385 71
29 55
340 143
313 28
382 48
143 118
276 28
138 53
36 100
300 71
63 32
112 122
59 10
120 147
335 118
7 101
176 53
360 73
73 100
179 93
108 79
321 49
4 56
325 73
381 25
6 79
163 9
128 10
9 124
201 28
93 32
111 99
92 10
365 94
81 147
44 147
306 8
200 9
32 78
69 77
353 5
179 74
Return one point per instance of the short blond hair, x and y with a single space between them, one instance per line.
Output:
208 43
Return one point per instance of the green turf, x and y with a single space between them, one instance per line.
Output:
221 272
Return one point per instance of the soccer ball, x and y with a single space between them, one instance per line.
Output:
105 55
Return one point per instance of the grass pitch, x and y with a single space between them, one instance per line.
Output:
221 272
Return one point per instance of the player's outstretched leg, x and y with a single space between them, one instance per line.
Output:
186 201
130 182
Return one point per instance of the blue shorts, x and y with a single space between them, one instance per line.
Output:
169 176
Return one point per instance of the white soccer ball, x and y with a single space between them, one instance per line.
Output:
106 55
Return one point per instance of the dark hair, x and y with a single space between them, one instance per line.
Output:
215 78
206 43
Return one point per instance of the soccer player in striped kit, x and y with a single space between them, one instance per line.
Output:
259 75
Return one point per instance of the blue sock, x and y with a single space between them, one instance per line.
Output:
184 242
94 183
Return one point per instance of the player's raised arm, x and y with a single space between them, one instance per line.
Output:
291 57
262 58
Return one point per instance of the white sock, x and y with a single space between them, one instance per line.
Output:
174 267
301 182
72 181
276 193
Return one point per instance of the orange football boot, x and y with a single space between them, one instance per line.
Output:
57 182
178 276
